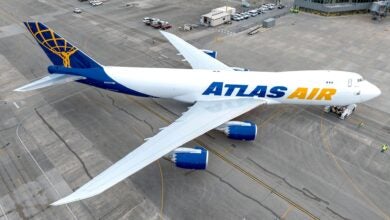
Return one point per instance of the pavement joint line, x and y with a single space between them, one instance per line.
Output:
29 152
4 214
260 182
237 167
327 145
11 17
160 169
162 190
16 105
284 215
40 168
273 115
64 142
248 196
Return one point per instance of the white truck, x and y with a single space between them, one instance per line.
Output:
342 111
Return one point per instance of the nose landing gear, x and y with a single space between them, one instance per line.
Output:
342 111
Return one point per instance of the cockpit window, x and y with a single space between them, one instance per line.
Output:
360 80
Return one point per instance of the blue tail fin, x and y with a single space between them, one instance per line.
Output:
59 50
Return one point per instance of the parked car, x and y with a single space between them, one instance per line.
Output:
95 2
253 13
236 18
156 23
77 10
165 25
148 20
281 6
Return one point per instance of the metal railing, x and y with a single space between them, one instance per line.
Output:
333 7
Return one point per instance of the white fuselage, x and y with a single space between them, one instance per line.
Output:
319 87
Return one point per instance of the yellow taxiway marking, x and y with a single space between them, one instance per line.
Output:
328 148
236 166
290 207
139 134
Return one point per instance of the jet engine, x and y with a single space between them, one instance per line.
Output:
239 130
211 53
190 158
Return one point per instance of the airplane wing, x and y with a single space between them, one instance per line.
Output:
200 118
197 58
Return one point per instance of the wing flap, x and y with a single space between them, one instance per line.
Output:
200 118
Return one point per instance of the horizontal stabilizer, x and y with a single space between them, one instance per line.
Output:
51 80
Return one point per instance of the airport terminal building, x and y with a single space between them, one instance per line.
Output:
329 7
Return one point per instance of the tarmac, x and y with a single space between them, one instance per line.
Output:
304 164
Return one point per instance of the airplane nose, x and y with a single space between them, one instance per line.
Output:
375 91
372 91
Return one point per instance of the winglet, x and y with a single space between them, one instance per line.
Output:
74 197
63 201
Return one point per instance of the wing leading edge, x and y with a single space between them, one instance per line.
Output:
197 58
50 80
200 118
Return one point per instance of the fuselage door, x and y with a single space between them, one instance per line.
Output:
349 82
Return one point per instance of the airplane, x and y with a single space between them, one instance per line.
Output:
218 94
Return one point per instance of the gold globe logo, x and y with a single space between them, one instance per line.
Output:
57 45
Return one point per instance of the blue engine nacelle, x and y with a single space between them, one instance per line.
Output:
239 130
190 158
211 53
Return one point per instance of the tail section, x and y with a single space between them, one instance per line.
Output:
59 50
70 63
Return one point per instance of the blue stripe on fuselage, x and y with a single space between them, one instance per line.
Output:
96 77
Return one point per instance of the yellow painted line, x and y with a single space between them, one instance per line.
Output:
326 143
286 212
354 121
259 181
228 150
273 115
139 134
236 166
